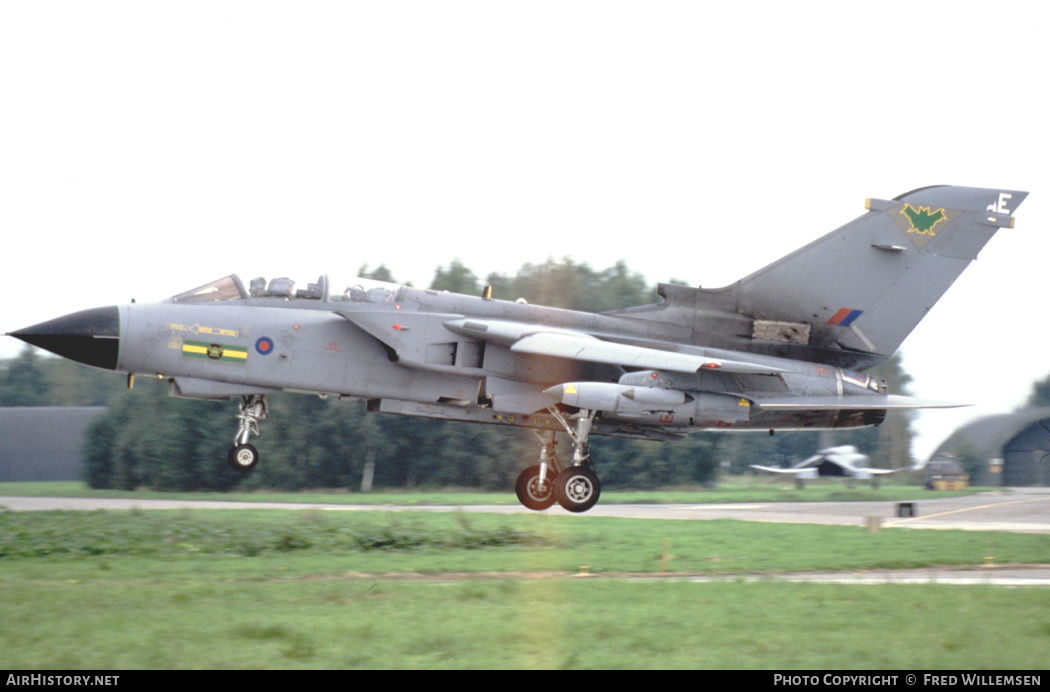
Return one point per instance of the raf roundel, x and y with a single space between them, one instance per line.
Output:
264 346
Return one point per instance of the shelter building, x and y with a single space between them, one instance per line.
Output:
44 443
1011 449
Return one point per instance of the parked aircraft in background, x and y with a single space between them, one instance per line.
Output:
841 462
782 349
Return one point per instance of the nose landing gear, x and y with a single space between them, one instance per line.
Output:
243 456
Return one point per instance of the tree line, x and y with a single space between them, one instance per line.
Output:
147 439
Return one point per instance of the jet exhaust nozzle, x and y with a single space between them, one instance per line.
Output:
90 336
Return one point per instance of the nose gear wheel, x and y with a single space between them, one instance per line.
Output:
243 456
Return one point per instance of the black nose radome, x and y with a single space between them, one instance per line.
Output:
91 336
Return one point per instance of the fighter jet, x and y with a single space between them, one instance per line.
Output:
839 462
782 349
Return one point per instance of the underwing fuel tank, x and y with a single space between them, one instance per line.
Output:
684 408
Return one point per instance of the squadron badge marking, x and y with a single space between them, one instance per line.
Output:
922 224
224 353
922 219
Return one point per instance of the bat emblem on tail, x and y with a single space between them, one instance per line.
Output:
922 220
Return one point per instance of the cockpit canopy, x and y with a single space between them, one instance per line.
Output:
232 288
226 288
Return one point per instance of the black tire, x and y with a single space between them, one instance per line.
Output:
243 458
577 489
529 491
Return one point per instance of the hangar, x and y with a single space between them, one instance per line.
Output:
1019 441
44 443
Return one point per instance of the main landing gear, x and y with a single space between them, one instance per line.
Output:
243 456
574 486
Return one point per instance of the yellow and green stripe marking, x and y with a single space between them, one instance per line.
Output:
224 353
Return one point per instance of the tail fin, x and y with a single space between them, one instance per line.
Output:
863 288
867 285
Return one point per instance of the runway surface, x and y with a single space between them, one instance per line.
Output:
1021 510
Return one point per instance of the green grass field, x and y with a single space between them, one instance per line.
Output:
371 589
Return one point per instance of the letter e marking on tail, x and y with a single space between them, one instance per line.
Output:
1000 207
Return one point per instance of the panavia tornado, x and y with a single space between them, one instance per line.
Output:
845 461
782 349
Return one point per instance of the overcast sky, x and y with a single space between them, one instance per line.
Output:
149 147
